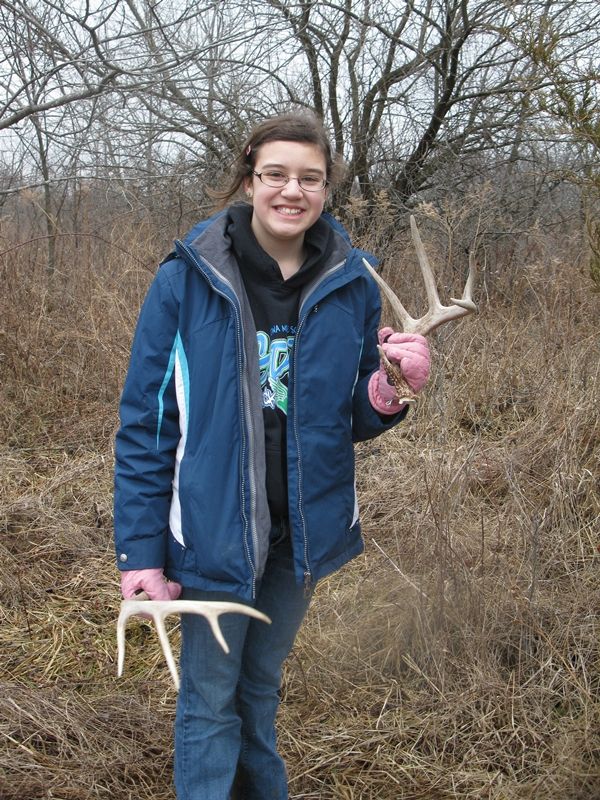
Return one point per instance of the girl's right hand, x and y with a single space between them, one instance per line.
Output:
150 581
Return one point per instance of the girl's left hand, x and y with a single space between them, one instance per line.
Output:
411 352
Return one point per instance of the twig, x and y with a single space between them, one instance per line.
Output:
22 593
399 571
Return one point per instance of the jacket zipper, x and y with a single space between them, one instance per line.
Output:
307 570
244 409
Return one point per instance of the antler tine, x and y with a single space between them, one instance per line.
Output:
402 316
437 313
158 610
432 294
466 301
159 621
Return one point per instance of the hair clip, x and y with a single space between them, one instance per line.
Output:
248 149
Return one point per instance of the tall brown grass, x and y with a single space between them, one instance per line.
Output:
459 658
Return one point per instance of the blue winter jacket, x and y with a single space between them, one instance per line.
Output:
190 465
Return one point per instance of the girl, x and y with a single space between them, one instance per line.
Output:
253 370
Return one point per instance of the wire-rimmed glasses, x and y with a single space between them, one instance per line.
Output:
277 180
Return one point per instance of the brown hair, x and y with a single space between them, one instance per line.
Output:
292 127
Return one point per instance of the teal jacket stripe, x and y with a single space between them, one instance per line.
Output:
161 392
177 356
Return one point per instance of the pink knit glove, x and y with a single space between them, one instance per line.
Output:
411 352
151 581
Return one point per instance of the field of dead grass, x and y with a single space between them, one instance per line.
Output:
459 658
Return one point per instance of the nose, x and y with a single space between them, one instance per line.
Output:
292 188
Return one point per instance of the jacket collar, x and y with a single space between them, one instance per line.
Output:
319 242
211 245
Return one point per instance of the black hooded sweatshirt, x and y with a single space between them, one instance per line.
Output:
275 304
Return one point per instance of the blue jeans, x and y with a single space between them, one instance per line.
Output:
226 707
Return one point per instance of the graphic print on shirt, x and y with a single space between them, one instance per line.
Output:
274 349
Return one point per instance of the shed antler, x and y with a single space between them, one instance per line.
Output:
159 609
436 315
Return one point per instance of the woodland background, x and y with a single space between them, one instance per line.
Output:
460 656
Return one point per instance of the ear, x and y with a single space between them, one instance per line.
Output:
247 185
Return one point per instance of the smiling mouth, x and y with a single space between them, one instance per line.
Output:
289 212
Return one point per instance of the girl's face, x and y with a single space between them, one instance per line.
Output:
283 214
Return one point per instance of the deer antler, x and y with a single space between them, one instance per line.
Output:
436 315
159 609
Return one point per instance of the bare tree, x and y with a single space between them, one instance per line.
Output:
408 86
413 91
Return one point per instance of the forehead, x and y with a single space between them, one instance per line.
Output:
291 156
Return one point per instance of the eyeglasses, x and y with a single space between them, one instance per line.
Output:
277 180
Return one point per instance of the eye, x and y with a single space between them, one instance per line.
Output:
274 175
311 180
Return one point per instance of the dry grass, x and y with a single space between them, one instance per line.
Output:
459 658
